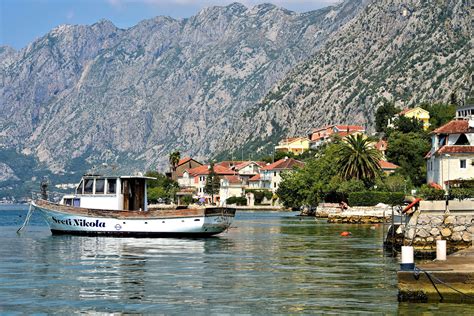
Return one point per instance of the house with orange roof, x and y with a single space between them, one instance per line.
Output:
416 112
270 175
196 178
295 145
388 167
323 135
184 164
451 157
248 169
230 185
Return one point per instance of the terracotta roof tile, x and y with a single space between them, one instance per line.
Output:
255 178
233 179
184 160
351 128
404 111
387 165
453 127
284 164
204 170
456 149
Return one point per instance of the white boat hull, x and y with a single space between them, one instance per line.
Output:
194 223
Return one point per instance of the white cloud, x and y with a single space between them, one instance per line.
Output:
70 14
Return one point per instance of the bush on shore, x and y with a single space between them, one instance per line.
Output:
239 200
371 198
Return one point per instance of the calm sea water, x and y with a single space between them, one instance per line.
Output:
267 263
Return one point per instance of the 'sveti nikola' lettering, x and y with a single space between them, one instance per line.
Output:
79 222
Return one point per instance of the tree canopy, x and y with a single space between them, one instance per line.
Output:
385 112
174 158
358 159
213 184
160 188
408 151
440 113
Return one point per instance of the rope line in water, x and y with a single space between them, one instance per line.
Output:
27 219
431 277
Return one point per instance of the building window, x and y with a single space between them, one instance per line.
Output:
462 163
274 173
274 185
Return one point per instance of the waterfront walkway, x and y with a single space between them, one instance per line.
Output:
451 280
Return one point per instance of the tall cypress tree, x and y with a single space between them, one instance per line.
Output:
212 182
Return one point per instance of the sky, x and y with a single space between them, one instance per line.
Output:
23 21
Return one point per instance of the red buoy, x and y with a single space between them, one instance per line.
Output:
346 234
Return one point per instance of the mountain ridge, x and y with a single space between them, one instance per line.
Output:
407 54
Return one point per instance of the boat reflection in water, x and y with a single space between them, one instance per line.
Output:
128 268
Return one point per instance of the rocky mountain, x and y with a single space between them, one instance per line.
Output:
88 94
406 52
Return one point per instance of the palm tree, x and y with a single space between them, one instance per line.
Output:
174 160
358 159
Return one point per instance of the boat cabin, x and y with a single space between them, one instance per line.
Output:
124 193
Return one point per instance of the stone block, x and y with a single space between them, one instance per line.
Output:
449 220
467 236
430 239
459 228
424 219
434 231
460 220
456 236
423 233
446 232
469 219
470 229
436 220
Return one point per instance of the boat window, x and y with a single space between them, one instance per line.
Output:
76 202
88 185
79 188
99 186
68 202
111 184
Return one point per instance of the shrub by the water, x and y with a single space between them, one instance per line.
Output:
429 193
371 198
239 200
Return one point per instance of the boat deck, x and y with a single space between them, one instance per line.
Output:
153 213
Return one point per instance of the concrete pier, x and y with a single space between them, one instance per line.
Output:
450 280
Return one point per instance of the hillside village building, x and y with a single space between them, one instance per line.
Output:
270 176
184 164
452 153
323 135
296 145
416 112
235 178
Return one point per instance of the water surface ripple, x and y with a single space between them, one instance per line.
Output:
267 263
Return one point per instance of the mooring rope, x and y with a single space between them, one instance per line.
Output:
431 277
27 219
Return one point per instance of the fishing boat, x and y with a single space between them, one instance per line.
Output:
117 206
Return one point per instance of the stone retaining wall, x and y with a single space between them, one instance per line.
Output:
361 215
423 230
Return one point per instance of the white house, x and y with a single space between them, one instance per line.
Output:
270 176
230 185
452 153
